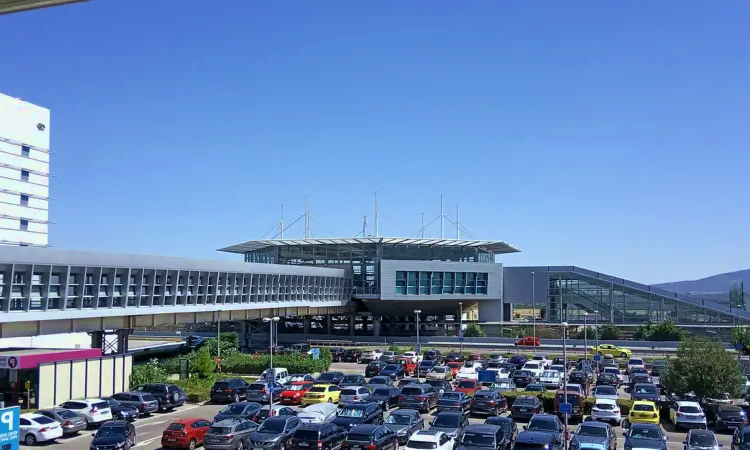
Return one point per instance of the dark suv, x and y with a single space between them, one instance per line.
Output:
114 434
337 354
356 414
144 402
373 369
275 433
229 434
483 437
433 355
422 397
229 390
168 395
325 436
352 355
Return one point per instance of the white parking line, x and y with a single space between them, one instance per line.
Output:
151 423
146 442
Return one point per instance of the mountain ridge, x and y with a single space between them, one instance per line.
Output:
714 284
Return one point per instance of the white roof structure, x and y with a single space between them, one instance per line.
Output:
490 246
11 6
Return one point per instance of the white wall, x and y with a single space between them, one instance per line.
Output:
67 340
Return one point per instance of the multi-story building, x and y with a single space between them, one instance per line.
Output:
24 173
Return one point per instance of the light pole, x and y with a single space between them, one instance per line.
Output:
461 324
533 302
218 340
564 326
585 335
596 330
271 322
418 347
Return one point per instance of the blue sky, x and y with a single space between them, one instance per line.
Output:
611 136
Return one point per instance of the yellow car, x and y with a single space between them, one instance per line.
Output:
612 349
322 393
644 411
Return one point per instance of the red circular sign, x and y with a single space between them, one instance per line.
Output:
218 359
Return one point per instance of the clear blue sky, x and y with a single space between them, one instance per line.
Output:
611 136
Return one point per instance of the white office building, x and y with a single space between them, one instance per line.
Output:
24 172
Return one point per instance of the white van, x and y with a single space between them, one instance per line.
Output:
281 375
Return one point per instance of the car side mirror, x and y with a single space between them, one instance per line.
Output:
684 442
666 438
525 427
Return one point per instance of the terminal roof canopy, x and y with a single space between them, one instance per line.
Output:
12 6
497 247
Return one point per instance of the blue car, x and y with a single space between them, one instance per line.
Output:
645 436
263 392
394 371
246 410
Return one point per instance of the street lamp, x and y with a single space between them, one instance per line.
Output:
533 302
418 347
564 326
596 330
218 340
272 321
461 324
585 335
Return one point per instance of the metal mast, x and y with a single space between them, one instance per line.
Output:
422 225
442 234
458 229
376 213
307 221
364 225
281 223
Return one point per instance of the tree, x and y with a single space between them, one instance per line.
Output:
642 332
588 332
705 368
202 364
609 332
741 335
151 372
474 330
228 341
666 331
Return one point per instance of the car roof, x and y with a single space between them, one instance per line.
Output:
644 402
364 429
593 423
279 418
404 412
606 401
483 428
449 413
186 420
687 403
533 436
31 415
499 419
545 417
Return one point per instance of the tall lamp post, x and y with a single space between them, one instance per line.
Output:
585 335
461 324
418 347
596 330
271 322
533 301
218 338
564 326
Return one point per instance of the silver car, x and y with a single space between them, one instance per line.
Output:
70 421
353 394
229 434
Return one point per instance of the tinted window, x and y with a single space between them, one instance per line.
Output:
104 405
111 431
176 427
528 446
235 408
398 419
272 426
587 430
411 391
381 391
690 409
358 437
327 377
65 414
311 435
479 439
541 424
606 390
220 430
42 420
467 384
605 406
221 385
421 445
446 420
643 407
702 440
452 396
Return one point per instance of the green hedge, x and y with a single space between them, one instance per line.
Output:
248 365
548 399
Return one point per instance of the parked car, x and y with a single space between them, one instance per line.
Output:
483 437
608 379
509 427
318 413
409 365
412 356
229 434
529 341
352 355
422 397
425 366
645 436
594 435
433 355
353 394
264 392
606 410
488 402
329 378
442 386
273 411
337 354
229 390
185 433
468 387
643 411
95 410
246 410
551 379
323 436
275 433
543 359
292 394
451 357
373 369
379 381
547 423
169 395
120 410
356 414
404 423
604 391
299 377
700 440
407 381
535 387
353 380
321 394
454 402
741 438
537 440
393 371
521 378
439 373
685 414
574 397
35 428
371 355
385 397
635 363
728 417
370 437
118 434
70 421
525 407
430 439
143 401
645 391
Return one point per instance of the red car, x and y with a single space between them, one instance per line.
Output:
292 395
530 341
409 366
185 433
468 387
455 366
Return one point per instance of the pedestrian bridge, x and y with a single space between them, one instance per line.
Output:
48 291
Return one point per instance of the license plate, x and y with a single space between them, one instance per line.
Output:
356 447
522 409
171 439
304 444
218 390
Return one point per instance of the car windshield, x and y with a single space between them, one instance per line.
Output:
612 370
605 390
645 389
299 387
234 408
219 430
542 424
381 392
467 384
421 445
478 439
643 407
112 402
452 396
589 430
377 380
446 420
317 389
327 377
349 379
550 374
351 412
645 432
635 362
272 426
110 431
702 440
398 419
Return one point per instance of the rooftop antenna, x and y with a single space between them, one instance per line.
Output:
441 218
422 225
364 225
281 223
376 213
458 229
307 221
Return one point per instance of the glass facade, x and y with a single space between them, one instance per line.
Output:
364 261
574 292
436 283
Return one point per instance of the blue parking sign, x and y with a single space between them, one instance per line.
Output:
315 355
566 408
597 358
9 427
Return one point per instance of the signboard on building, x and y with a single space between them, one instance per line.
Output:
9 425
9 362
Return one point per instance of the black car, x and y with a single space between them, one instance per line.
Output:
483 437
386 397
454 402
741 438
337 354
352 355
510 429
121 410
488 402
240 409
645 436
451 423
546 423
433 355
374 368
526 406
356 414
657 367
578 377
229 390
730 417
265 413
425 366
324 436
442 386
594 434
329 378
453 357
275 433
510 367
117 434
353 380
264 392
523 378
422 397
388 359
518 361
608 379
394 371
371 437
168 395
535 440
404 422
639 379
645 391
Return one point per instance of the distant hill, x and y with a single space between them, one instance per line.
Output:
712 284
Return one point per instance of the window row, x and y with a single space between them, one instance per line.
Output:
433 283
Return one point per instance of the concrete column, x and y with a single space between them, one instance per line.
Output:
97 339
329 325
123 335
351 325
306 324
375 327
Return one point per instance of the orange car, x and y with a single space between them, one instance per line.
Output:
467 386
530 341
292 395
455 366
409 366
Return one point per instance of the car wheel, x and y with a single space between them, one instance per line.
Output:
29 439
623 355
192 444
330 399
240 445
236 397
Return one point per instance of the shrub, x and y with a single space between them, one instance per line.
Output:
247 364
151 372
474 330
609 332
394 348
203 365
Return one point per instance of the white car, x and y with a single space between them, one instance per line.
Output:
551 379
94 410
467 373
605 392
606 410
542 358
38 428
429 439
558 367
535 367
688 415
371 355
412 356
635 363
614 371
318 413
